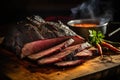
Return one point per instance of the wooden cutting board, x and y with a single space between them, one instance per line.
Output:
17 69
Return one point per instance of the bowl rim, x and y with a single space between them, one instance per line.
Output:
71 22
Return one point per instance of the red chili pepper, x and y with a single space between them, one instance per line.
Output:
111 47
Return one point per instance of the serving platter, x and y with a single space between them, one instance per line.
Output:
93 69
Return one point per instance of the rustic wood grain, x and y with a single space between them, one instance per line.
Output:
17 69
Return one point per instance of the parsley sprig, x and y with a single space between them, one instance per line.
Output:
95 37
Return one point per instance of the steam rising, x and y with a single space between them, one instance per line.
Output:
99 9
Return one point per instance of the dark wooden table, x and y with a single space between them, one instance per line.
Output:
16 69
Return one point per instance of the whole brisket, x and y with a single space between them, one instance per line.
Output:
34 29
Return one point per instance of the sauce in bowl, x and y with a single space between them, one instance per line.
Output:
85 25
82 26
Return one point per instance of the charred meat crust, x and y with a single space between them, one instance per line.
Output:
32 29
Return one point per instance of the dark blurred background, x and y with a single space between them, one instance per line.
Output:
11 10
15 10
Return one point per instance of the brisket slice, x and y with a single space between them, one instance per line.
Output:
77 58
72 56
59 56
84 53
56 57
87 52
69 63
40 45
51 50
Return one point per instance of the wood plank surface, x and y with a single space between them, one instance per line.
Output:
17 69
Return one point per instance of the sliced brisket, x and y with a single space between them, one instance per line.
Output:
65 52
37 46
77 58
40 45
87 52
49 51
84 53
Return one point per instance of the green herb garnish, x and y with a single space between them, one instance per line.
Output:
95 37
